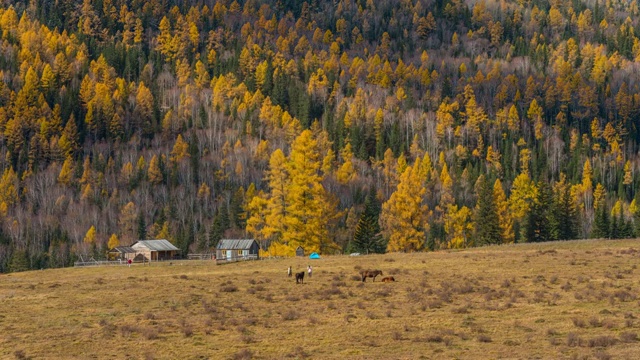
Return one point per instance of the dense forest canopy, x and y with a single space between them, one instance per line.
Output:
340 126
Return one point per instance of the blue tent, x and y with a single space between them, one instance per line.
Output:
314 256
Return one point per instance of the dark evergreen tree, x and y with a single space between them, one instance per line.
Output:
486 217
194 157
601 226
221 223
614 229
279 93
19 261
236 213
367 237
142 227
537 226
626 230
564 220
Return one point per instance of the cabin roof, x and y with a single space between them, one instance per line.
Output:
123 249
235 244
157 245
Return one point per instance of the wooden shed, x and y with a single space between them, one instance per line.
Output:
122 253
299 251
155 250
237 249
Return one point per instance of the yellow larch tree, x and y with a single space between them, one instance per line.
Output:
523 193
66 173
474 114
446 193
458 226
87 173
9 187
404 217
599 195
513 119
426 167
154 173
113 241
445 119
256 208
90 236
504 215
389 173
144 108
628 177
180 150
127 220
311 210
535 114
276 206
586 188
346 173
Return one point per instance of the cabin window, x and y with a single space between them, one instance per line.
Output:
239 252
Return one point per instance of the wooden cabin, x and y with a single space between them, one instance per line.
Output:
155 250
237 249
122 253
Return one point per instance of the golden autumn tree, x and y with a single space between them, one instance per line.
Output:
311 211
504 215
523 193
256 209
9 188
154 173
297 211
276 206
66 173
458 226
180 150
404 216
143 110
346 173
127 221
113 241
90 236
69 141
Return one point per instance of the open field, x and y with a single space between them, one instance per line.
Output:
577 299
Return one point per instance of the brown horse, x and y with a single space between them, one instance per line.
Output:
300 277
370 273
388 279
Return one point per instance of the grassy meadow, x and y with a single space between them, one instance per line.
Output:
561 300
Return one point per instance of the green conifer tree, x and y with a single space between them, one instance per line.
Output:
601 226
486 217
537 226
367 237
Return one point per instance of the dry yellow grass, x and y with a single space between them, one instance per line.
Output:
575 299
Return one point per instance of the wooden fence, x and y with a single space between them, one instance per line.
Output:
210 256
99 263
236 259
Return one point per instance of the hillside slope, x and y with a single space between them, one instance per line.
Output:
296 123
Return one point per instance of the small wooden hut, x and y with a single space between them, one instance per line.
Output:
237 249
122 253
299 251
155 250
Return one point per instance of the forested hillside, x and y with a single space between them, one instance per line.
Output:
341 126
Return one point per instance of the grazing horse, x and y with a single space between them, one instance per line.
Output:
370 273
388 279
300 277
